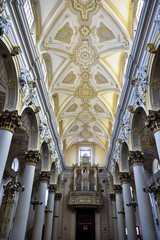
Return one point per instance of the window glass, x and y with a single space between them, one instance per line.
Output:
15 164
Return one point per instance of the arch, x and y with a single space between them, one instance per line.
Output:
8 80
154 83
124 152
44 150
138 123
116 179
30 123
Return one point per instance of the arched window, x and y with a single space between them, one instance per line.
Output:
15 164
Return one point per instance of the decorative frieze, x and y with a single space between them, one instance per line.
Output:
117 189
153 121
87 198
32 157
44 176
136 158
10 120
124 177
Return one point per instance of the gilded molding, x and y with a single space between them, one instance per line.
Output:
10 120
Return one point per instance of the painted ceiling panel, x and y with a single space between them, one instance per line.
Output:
86 41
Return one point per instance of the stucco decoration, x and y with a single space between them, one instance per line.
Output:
85 55
70 78
85 91
100 79
84 7
64 34
104 33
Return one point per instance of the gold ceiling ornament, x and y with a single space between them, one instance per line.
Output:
85 55
72 108
96 129
64 34
85 105
85 134
85 126
98 109
104 33
75 128
85 75
85 7
85 30
85 91
70 78
100 79
85 116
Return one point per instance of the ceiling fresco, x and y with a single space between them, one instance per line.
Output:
86 44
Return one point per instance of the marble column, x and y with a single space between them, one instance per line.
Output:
82 179
49 213
114 215
56 216
120 212
9 122
40 209
21 216
97 224
129 211
144 205
153 123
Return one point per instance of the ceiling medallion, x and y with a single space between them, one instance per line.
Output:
104 33
85 91
64 34
85 116
85 30
84 7
85 55
85 105
85 75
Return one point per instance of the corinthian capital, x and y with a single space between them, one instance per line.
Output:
44 176
153 121
52 188
124 177
136 158
117 189
32 157
10 120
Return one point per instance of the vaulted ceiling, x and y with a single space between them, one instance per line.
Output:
85 44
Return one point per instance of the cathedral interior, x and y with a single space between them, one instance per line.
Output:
79 119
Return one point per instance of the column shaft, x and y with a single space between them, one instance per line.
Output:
114 217
73 225
144 206
39 214
157 140
56 218
120 217
129 212
5 142
21 217
49 217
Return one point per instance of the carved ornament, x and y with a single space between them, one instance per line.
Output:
10 120
44 176
117 189
124 177
153 121
112 197
58 196
85 91
32 157
52 188
136 158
